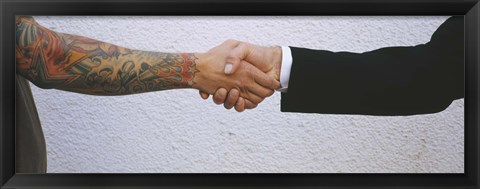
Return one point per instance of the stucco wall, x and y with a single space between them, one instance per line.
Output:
177 131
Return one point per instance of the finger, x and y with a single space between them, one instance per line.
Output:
219 96
261 79
265 80
231 98
249 104
204 95
252 97
240 105
235 57
260 91
254 54
252 90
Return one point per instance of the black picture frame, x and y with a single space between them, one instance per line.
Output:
9 8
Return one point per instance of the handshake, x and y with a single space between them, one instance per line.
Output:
386 81
238 74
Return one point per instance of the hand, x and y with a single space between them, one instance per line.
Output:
251 84
267 59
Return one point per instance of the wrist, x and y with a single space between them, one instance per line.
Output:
200 63
277 60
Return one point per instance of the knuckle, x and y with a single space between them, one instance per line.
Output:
217 99
270 92
230 101
252 106
231 58
266 93
256 100
250 71
232 98
243 89
242 45
271 83
231 41
260 100
233 95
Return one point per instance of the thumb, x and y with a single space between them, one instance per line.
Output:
232 63
253 54
243 51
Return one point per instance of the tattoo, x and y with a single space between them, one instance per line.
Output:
75 63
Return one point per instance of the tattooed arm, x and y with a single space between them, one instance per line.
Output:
51 59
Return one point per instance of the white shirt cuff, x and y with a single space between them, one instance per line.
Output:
285 68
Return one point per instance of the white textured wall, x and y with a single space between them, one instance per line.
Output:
177 131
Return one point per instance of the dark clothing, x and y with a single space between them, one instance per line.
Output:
389 81
31 153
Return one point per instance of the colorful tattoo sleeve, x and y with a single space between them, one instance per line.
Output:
55 60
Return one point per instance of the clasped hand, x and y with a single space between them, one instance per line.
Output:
238 74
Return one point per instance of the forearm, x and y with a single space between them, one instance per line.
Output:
388 81
68 62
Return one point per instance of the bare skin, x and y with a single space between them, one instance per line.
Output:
267 59
51 59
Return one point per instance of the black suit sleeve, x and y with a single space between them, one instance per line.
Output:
388 81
